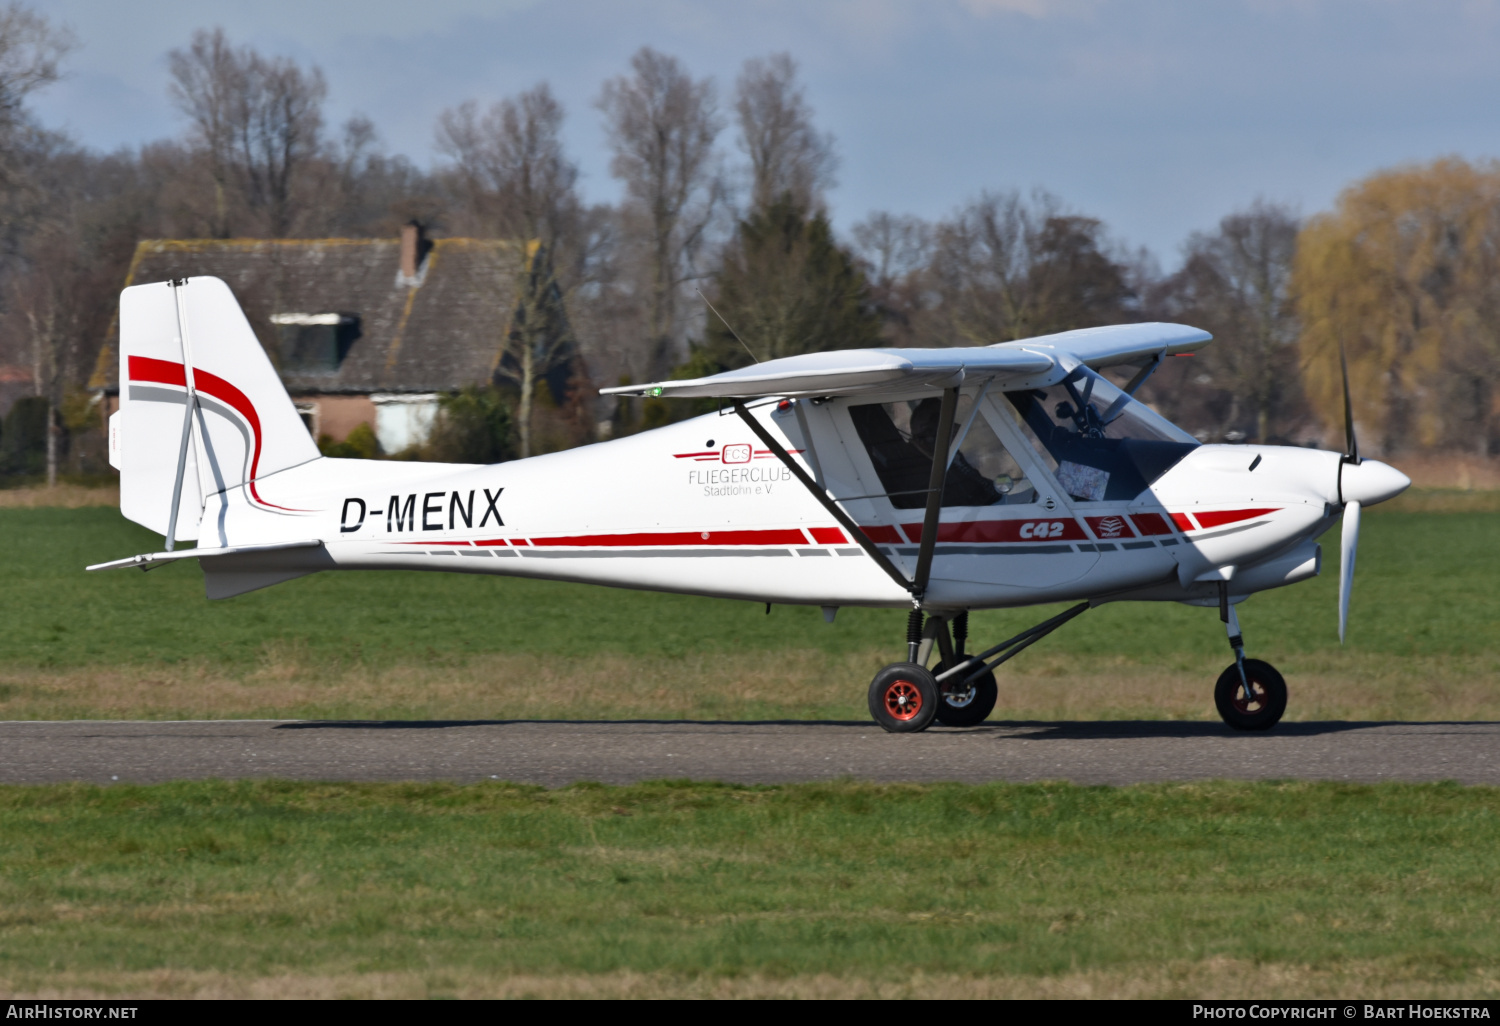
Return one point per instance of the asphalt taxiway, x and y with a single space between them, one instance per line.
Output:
554 753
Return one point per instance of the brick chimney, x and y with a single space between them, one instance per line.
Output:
411 250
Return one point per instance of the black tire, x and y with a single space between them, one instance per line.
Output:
970 707
1269 696
903 698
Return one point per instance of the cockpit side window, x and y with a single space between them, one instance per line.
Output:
1107 446
899 438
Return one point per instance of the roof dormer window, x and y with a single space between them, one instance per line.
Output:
314 343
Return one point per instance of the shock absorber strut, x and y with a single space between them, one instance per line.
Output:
913 634
960 632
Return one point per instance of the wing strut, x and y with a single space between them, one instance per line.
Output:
832 507
935 491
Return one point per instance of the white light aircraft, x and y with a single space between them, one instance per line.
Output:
935 480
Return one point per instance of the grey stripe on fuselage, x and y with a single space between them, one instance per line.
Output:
988 550
532 552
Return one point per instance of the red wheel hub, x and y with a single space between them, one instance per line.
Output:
1257 700
903 700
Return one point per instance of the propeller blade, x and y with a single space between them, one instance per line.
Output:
1351 444
1348 546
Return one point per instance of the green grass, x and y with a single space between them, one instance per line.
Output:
1426 586
1424 641
454 886
266 888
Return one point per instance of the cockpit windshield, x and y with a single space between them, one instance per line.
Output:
1107 446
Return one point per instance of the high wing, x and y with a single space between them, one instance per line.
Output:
851 372
1020 364
1119 343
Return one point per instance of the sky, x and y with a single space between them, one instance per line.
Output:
1157 116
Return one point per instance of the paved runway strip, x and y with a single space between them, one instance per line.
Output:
556 753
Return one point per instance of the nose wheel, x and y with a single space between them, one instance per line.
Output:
1255 702
1249 694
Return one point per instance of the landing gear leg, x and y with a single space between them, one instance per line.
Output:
1249 694
967 704
900 699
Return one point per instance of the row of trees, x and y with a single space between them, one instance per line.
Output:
1401 272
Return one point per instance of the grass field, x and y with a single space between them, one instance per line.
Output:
1214 890
1424 640
390 644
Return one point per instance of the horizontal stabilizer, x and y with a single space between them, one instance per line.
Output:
235 569
147 560
852 372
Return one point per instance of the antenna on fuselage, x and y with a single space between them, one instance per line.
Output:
731 331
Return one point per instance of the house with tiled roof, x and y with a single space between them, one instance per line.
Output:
362 331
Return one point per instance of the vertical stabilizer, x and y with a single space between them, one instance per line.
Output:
244 427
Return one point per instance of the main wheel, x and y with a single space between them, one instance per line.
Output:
1262 708
903 698
970 706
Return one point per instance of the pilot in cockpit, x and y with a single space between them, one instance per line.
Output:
964 485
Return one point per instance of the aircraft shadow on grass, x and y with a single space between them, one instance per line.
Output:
1001 730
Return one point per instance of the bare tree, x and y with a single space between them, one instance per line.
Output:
893 246
662 126
787 155
286 107
258 122
208 85
1004 268
30 49
47 300
516 183
361 191
896 251
1236 283
514 177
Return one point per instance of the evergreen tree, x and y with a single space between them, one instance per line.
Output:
786 287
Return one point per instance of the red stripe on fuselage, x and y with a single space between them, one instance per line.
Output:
1220 517
881 534
1150 523
676 538
1029 530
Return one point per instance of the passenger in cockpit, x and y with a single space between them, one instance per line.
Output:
964 486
